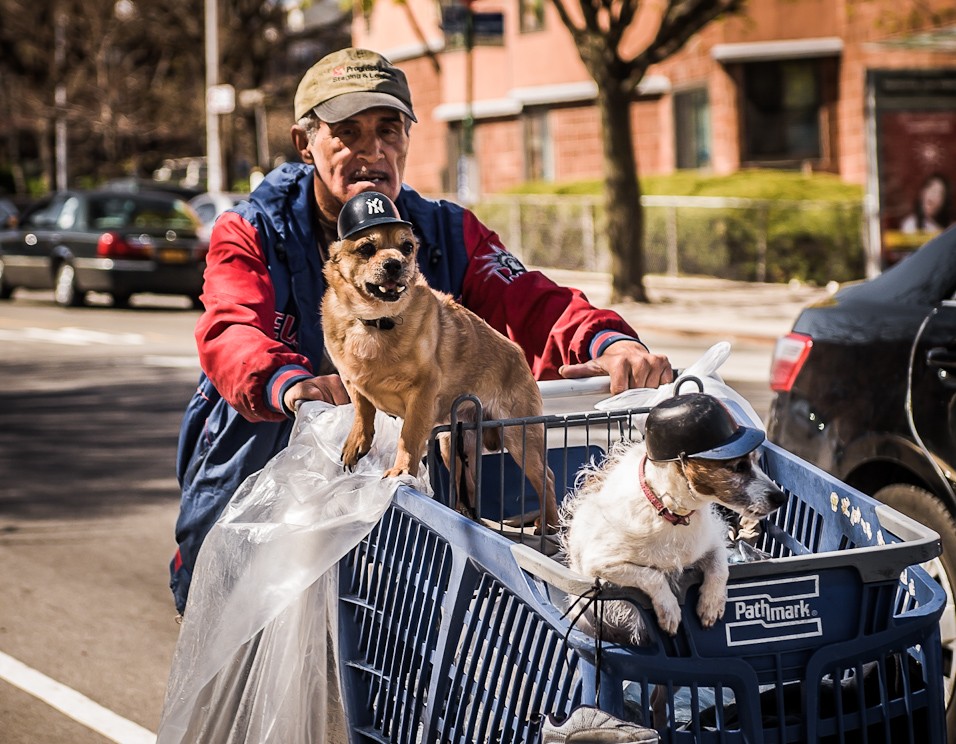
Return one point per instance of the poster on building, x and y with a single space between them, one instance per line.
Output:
915 116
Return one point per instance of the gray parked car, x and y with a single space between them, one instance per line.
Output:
76 242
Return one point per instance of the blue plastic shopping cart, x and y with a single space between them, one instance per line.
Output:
452 632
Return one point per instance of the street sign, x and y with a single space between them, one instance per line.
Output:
488 29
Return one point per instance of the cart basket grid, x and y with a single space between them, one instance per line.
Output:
454 630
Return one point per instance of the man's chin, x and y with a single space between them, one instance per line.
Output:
383 187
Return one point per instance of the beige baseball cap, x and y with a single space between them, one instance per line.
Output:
351 80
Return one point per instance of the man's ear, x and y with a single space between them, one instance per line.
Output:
300 141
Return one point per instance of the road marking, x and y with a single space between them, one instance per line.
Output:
72 337
72 703
174 362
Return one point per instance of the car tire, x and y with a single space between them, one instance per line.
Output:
66 293
6 291
924 507
121 300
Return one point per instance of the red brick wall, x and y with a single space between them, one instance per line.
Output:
428 152
576 142
498 146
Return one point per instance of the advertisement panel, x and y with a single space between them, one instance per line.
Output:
915 117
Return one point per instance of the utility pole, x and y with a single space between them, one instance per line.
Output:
467 170
59 99
213 145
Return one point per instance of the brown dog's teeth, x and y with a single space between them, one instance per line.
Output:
400 288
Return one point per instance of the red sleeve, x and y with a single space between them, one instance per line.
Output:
235 335
553 324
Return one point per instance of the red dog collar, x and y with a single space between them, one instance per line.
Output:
662 511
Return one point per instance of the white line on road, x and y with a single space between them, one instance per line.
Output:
72 703
72 336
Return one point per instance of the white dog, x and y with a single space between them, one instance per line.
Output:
647 513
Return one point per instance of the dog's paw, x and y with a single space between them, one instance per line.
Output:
668 615
352 452
710 608
395 472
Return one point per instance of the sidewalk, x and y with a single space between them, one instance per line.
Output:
703 306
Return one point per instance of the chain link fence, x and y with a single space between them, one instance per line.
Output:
729 238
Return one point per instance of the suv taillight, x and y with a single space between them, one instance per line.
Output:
789 355
114 245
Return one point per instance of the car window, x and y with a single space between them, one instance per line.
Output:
43 215
66 220
118 211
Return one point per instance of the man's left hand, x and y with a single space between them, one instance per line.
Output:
629 365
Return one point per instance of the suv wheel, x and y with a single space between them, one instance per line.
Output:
66 293
924 507
5 289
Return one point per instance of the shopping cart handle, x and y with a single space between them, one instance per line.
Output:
600 385
559 576
578 386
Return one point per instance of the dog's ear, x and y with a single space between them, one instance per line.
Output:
335 248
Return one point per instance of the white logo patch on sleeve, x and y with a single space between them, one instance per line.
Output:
501 264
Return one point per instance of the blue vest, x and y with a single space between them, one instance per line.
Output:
218 448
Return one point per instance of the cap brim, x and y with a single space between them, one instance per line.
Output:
349 104
370 223
745 441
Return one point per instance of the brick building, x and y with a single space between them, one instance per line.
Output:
783 85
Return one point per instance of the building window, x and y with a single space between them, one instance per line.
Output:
538 159
692 128
782 104
530 15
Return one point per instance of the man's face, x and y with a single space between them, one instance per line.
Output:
365 152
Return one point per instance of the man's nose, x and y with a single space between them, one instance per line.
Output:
369 148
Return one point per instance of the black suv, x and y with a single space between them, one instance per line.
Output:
866 389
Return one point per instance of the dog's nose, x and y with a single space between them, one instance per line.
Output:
777 497
392 267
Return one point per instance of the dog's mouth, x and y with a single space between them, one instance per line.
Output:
386 291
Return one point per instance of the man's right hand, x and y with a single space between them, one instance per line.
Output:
328 388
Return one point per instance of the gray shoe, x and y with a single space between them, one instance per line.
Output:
590 725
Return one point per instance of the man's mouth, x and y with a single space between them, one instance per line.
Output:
388 292
369 176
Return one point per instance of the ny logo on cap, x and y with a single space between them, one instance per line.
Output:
375 206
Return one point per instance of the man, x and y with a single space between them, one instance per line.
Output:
260 337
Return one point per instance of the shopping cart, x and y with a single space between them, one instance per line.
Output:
452 631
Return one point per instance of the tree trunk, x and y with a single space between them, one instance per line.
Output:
625 219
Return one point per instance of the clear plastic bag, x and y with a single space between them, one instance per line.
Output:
705 370
255 661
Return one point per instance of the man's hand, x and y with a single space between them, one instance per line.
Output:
629 365
328 388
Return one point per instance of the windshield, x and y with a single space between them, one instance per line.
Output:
120 211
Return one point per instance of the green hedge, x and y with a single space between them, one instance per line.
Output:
806 227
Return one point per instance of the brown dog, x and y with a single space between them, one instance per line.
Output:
410 351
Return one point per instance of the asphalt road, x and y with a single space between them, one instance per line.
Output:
90 405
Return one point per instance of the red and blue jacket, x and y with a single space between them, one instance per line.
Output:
261 330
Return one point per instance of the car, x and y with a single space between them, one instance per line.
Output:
9 214
210 204
865 388
134 185
76 242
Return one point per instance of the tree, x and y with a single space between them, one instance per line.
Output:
133 76
598 28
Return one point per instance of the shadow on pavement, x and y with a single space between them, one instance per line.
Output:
106 443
